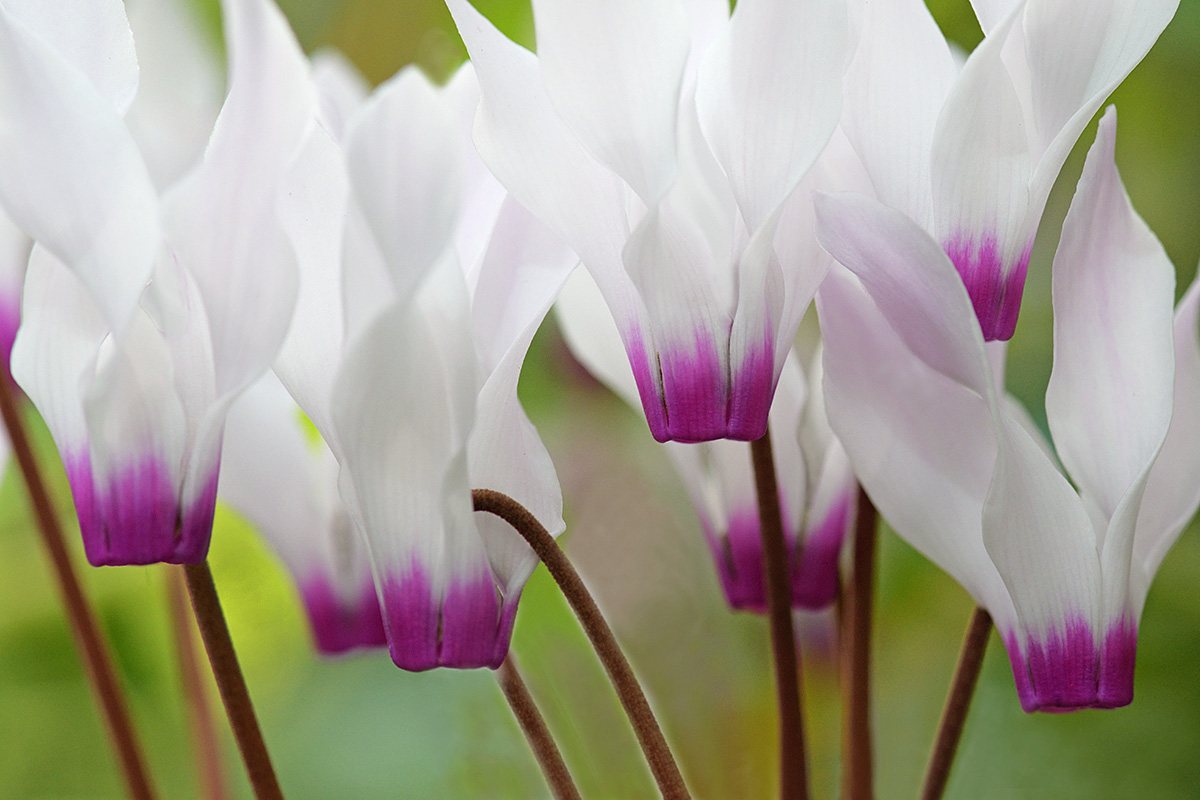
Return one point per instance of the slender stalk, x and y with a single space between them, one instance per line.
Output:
650 737
204 736
856 630
230 682
793 771
83 621
958 702
558 777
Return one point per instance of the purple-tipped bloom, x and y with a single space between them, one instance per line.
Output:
971 154
422 285
662 140
816 486
150 302
1062 558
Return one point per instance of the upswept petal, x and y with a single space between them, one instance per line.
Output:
980 170
93 36
991 13
180 90
341 89
904 270
1108 402
896 86
532 152
407 177
70 174
246 271
613 72
911 434
15 248
591 334
1173 488
769 97
1075 61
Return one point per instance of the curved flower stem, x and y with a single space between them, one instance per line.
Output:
558 777
856 630
230 683
654 745
83 621
204 736
958 702
793 769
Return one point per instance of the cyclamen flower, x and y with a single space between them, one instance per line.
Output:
143 315
960 471
663 141
971 155
408 363
816 485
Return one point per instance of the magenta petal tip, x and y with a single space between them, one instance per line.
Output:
1068 670
339 625
995 288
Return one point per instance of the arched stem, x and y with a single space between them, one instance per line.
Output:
649 735
958 702
87 633
558 777
793 767
230 682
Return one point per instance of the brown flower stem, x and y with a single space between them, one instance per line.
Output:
558 777
793 769
204 736
856 664
649 735
83 621
230 682
958 702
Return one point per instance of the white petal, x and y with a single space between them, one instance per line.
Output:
1108 402
180 90
221 219
911 280
70 174
93 36
769 96
15 248
1173 489
613 72
341 89
895 88
991 13
587 327
1075 61
406 174
912 435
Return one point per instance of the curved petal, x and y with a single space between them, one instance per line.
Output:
15 248
93 36
588 328
895 88
341 90
406 174
613 72
981 169
911 434
991 13
180 90
769 95
1173 488
1108 402
909 277
70 174
221 219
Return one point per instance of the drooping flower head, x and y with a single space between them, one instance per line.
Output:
421 288
145 313
1062 561
970 155
816 486
663 141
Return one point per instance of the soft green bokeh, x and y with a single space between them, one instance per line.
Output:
359 728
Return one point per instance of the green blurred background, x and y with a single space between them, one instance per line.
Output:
359 728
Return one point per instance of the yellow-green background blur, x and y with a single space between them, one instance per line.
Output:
358 727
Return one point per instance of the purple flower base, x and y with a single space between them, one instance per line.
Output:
995 293
138 519
339 626
696 401
814 580
1067 671
466 630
